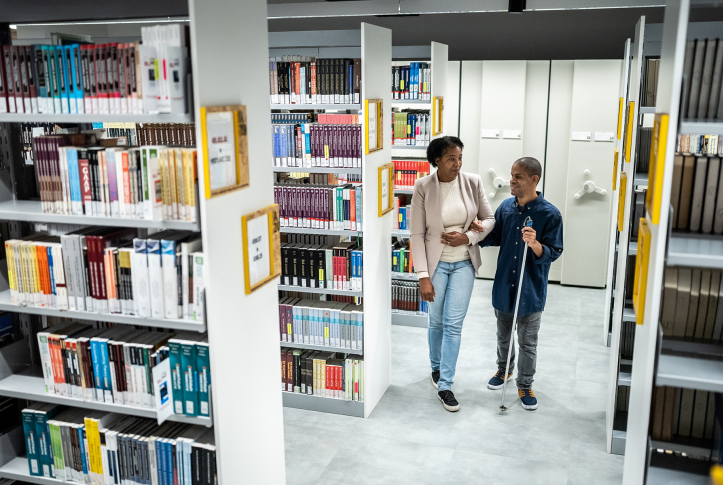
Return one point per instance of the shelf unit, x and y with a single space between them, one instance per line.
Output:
317 107
7 306
31 211
214 25
622 242
354 171
655 361
296 345
376 54
438 67
90 118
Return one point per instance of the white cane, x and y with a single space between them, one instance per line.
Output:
503 409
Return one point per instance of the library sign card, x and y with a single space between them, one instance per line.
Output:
437 115
386 183
225 149
262 247
374 126
163 390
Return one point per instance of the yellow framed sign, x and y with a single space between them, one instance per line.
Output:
654 194
620 117
373 125
621 200
225 149
640 285
629 130
615 170
386 188
437 115
262 247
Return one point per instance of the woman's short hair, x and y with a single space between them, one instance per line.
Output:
438 146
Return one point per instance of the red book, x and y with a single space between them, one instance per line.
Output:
85 187
111 63
292 82
313 80
297 67
3 88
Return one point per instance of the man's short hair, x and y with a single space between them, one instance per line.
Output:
531 166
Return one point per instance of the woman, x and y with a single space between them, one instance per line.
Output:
445 253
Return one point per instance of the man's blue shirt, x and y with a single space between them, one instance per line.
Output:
507 234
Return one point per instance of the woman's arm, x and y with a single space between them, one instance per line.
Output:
485 215
419 249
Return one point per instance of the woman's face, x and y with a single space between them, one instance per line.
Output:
450 163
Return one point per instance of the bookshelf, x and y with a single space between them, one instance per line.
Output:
375 43
230 312
618 312
662 360
438 67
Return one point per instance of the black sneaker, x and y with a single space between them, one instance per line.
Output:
448 401
435 378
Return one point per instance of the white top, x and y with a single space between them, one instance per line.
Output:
454 216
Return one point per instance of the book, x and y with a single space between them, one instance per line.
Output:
686 192
709 197
696 77
699 189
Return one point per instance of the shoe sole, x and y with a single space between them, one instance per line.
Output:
494 388
529 408
451 409
434 383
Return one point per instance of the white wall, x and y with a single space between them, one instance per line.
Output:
546 101
451 99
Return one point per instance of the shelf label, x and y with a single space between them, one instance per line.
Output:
640 285
604 136
621 199
653 197
620 117
512 134
490 133
581 136
615 170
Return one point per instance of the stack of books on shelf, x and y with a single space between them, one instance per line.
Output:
337 266
412 82
322 323
110 271
702 73
81 446
686 417
152 183
406 172
692 303
114 365
331 375
406 298
696 195
337 207
402 218
113 78
330 145
411 127
307 80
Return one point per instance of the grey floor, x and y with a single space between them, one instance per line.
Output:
410 438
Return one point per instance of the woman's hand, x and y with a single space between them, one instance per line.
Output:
454 239
477 226
426 289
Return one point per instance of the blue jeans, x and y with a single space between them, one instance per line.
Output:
453 283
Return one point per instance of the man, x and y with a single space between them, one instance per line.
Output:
544 240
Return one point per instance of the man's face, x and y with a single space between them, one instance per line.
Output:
520 182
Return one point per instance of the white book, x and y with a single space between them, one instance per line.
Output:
45 362
169 268
141 283
70 272
155 272
112 162
149 81
199 288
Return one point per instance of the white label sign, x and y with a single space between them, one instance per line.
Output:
490 133
258 243
221 153
385 189
163 390
513 134
604 136
580 136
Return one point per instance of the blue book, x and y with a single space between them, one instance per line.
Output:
275 139
95 354
31 441
203 369
77 77
105 368
45 449
51 267
68 73
169 461
76 203
82 450
283 146
62 76
307 141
